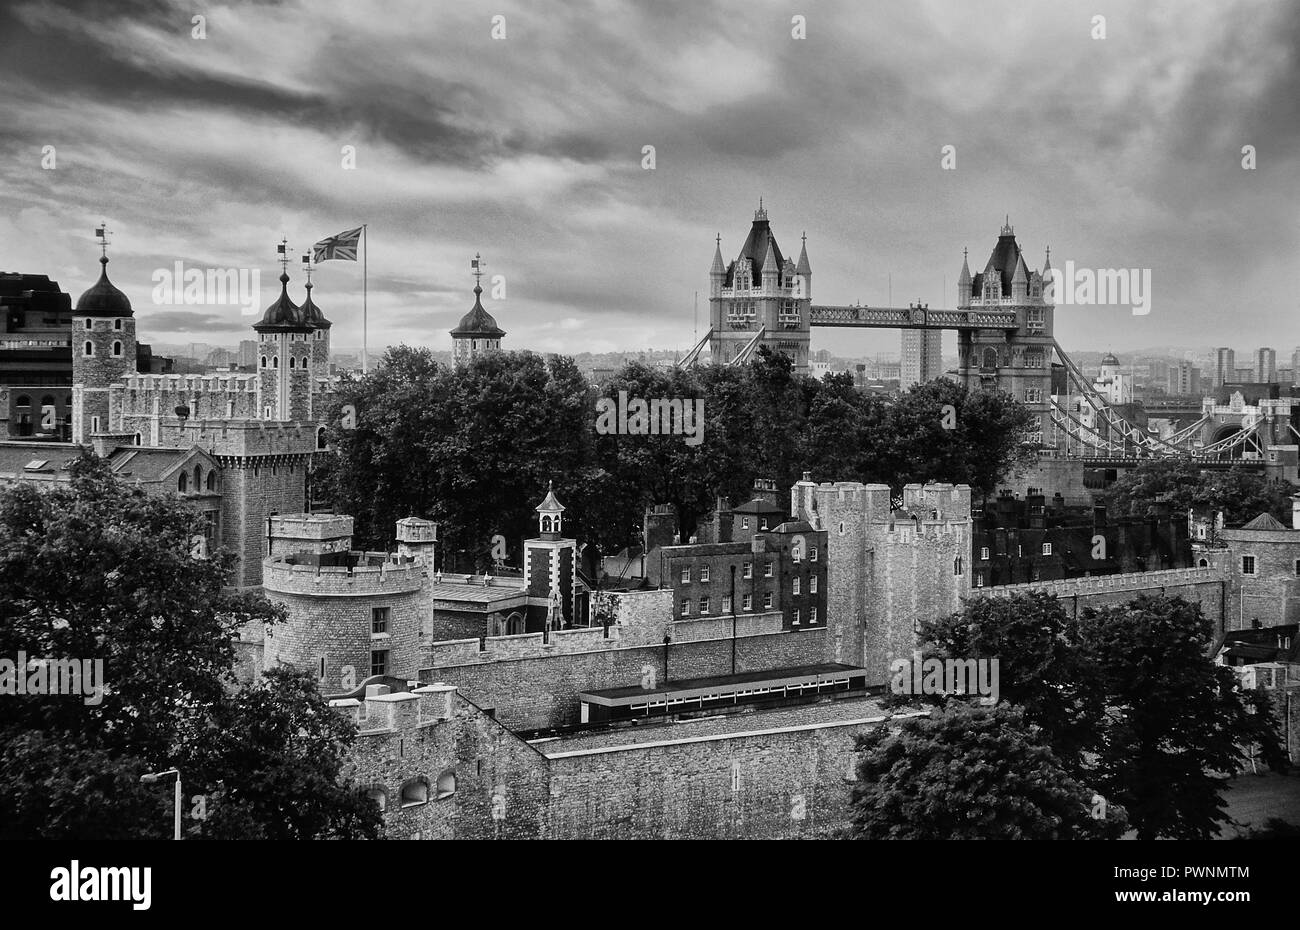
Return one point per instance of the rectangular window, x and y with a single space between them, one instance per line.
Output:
1297 566
796 555
744 523
1248 565
812 585
379 662
686 607
747 602
979 579
704 573
379 619
767 569
984 552
796 616
1047 548
726 603
957 566
749 570
767 600
812 615
320 668
686 576
94 424
704 605
812 554
795 586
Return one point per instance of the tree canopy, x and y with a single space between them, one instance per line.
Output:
96 571
1240 493
474 445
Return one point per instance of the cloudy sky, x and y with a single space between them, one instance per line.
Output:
1122 152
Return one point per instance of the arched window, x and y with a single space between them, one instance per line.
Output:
139 440
292 362
198 478
446 784
263 361
87 324
990 358
415 791
89 349
23 401
117 348
183 482
275 362
212 480
117 324
1204 563
320 437
379 795
546 524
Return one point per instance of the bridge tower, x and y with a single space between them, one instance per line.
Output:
760 299
1018 361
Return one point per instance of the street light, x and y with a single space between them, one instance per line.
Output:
150 778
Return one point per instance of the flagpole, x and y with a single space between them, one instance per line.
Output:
365 250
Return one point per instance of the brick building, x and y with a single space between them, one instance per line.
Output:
1040 539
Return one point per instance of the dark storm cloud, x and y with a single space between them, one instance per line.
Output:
1119 152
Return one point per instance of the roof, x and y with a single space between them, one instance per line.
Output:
103 299
1265 522
1002 262
283 314
478 322
149 463
456 589
312 313
1109 359
775 676
19 458
759 505
755 249
549 504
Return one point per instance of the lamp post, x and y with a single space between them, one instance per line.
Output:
150 778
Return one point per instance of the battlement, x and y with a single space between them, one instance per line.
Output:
373 573
239 437
1127 581
310 532
943 501
382 711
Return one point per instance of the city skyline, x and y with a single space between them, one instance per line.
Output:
601 254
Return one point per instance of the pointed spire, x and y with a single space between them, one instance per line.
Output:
803 267
1047 265
964 277
718 267
1022 271
769 263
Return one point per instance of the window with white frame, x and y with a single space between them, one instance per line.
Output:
1047 548
795 586
984 552
747 602
812 585
704 573
686 576
767 600
767 569
748 571
704 605
1248 565
686 607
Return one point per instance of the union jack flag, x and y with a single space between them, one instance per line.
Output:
342 247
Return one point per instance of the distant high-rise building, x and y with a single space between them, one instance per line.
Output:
1225 363
1184 379
922 358
247 353
1295 364
1243 375
1265 365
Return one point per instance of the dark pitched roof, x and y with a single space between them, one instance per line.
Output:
148 463
754 251
759 505
478 322
1002 262
47 458
103 299
1264 522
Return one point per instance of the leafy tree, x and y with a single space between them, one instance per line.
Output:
99 571
1240 493
1039 667
1176 722
969 772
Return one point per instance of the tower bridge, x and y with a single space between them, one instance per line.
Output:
1004 320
